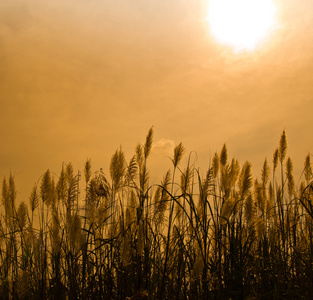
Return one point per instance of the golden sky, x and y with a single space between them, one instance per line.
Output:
80 78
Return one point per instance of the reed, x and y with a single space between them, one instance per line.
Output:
224 235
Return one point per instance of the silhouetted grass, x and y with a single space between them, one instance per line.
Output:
223 236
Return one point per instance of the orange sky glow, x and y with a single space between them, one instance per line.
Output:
80 78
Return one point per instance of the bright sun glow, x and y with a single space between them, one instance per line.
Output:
241 23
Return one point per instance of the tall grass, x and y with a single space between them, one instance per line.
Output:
225 235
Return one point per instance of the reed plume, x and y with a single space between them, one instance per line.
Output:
250 209
307 168
46 187
234 171
245 180
5 199
265 173
87 170
179 151
22 215
275 159
290 178
117 169
185 179
148 143
282 150
131 171
161 198
215 165
61 187
223 156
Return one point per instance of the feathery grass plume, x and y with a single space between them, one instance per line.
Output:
307 168
282 147
5 199
265 173
117 169
61 187
139 155
270 201
179 151
132 201
234 171
275 159
279 197
22 215
101 214
237 202
225 180
144 178
54 229
179 211
102 185
250 209
69 172
129 219
302 188
8 196
12 190
289 167
292 217
245 179
131 171
74 226
45 187
227 210
92 195
215 164
259 197
87 170
72 193
204 191
2 234
148 143
97 190
4 192
54 195
223 156
161 198
290 179
12 195
156 200
185 179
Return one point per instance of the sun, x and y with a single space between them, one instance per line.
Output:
241 24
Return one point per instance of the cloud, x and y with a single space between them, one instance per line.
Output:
163 146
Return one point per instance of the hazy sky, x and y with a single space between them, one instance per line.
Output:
80 78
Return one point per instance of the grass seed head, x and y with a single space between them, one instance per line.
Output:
148 143
307 168
282 147
223 156
22 215
275 159
215 164
87 170
179 151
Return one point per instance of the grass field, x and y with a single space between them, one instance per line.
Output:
224 235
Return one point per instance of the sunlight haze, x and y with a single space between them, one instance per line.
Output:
80 79
242 23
